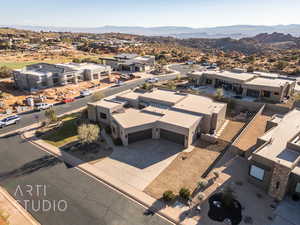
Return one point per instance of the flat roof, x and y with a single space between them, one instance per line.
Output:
83 66
231 75
271 82
199 104
130 95
280 136
181 119
109 104
165 96
133 118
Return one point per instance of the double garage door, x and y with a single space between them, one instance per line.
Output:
171 136
140 135
164 134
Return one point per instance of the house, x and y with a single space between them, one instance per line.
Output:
130 62
45 75
264 86
174 116
275 164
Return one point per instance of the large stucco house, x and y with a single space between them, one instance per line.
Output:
265 86
45 75
130 62
174 116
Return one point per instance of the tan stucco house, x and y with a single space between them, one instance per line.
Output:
265 86
174 116
275 164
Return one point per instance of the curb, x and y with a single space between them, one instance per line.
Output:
129 195
16 205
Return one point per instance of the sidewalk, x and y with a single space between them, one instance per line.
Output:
175 215
17 214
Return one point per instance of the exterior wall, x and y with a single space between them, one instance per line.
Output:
279 181
294 179
268 168
218 118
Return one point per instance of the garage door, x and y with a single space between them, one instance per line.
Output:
140 135
171 136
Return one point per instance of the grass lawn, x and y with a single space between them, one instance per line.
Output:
65 134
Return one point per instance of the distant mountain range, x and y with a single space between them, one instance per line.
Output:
236 31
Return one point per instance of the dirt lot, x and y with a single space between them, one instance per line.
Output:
187 169
232 128
257 128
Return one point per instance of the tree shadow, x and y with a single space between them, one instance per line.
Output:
31 167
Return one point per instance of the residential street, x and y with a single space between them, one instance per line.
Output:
88 201
30 118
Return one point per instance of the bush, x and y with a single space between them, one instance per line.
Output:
185 193
201 196
168 196
202 183
5 72
108 129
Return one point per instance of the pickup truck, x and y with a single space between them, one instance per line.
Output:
9 121
42 106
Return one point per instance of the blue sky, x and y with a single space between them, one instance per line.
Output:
193 13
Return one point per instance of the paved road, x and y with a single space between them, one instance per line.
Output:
88 201
30 118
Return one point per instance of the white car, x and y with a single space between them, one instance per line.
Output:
9 120
85 93
152 80
42 106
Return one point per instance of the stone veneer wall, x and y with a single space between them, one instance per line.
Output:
279 181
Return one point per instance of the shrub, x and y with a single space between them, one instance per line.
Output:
168 196
201 196
228 196
50 114
219 93
216 173
185 193
202 183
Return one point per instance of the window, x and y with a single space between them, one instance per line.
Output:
297 188
103 116
277 185
266 94
208 81
257 172
276 93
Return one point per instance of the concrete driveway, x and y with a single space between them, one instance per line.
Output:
141 162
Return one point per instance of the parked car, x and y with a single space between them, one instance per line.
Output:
9 121
152 80
125 77
42 106
85 93
67 100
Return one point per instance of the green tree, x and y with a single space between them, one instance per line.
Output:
228 196
88 133
219 93
5 72
76 60
50 114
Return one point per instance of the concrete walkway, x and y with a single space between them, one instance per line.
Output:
175 215
17 214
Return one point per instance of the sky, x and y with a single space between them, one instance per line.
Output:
149 13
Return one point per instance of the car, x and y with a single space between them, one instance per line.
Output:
42 106
125 77
9 121
66 100
152 80
85 93
120 83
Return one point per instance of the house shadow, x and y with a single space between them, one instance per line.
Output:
145 153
